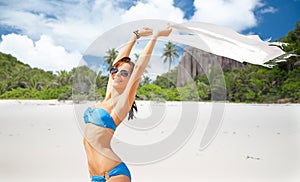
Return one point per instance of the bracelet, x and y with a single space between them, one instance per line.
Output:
137 34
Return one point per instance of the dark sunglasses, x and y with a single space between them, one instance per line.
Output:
123 73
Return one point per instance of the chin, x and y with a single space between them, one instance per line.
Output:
118 86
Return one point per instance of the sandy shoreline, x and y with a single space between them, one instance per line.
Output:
42 141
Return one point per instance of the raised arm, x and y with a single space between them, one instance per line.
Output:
125 52
144 59
126 99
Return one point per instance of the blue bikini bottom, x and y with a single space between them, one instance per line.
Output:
120 169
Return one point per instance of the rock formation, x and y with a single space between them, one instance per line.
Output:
197 62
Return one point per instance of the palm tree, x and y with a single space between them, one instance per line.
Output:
63 77
111 56
170 52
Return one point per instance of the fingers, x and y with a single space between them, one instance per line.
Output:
168 30
146 31
169 26
147 28
149 31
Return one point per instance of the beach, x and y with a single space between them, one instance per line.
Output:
42 141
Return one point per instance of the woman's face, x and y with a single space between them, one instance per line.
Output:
120 81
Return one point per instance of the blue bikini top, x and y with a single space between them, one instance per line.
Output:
99 117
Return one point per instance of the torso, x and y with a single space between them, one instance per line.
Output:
99 153
97 143
97 139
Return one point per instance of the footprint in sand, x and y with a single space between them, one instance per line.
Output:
253 158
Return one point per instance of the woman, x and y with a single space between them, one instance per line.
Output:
102 119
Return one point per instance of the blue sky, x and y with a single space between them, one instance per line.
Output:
53 35
276 25
274 21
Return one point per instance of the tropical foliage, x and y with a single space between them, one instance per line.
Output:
250 84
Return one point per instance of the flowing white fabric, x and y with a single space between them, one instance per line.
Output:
225 42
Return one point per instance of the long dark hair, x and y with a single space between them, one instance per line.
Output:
131 112
128 60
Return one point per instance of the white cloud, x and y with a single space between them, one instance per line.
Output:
154 9
70 26
42 53
73 25
235 14
268 10
54 34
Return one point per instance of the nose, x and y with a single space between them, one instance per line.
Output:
118 74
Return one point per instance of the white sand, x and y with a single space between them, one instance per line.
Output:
41 141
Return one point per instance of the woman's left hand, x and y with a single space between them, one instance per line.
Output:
145 32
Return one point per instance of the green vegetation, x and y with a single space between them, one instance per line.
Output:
251 84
